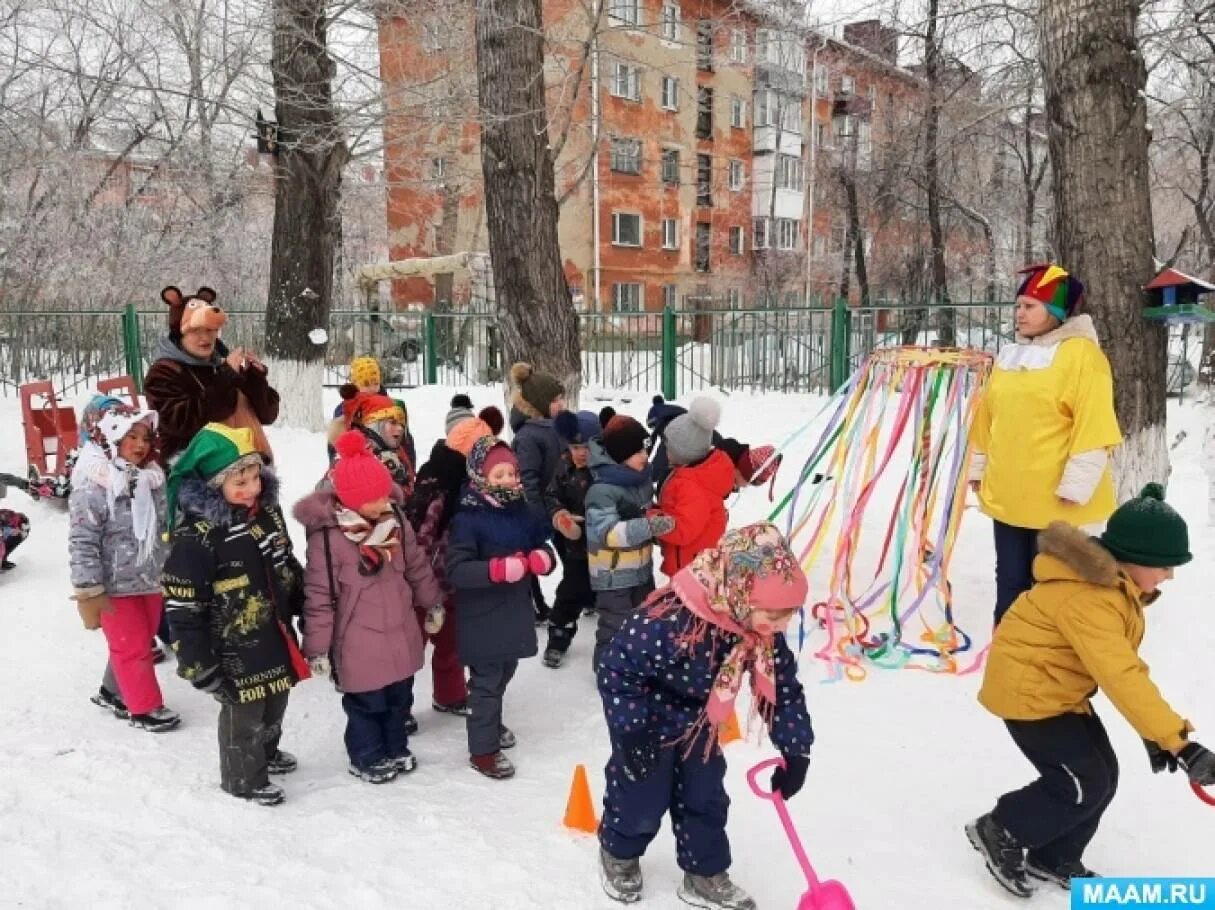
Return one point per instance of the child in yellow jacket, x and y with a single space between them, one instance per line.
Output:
1076 630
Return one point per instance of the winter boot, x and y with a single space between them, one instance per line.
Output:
495 765
158 720
281 763
506 739
553 658
411 725
7 565
404 763
459 708
269 795
380 772
621 878
110 701
1003 855
1060 874
158 654
716 892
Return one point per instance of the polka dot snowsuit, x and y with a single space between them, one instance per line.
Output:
649 683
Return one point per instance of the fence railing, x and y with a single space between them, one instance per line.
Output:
672 351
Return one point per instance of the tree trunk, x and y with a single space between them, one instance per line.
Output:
946 329
307 216
1094 77
856 237
536 315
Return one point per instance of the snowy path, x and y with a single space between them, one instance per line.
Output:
95 814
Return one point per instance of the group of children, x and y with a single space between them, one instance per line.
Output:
451 553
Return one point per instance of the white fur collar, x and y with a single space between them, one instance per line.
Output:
1039 353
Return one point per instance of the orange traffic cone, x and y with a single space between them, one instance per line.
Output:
579 813
729 731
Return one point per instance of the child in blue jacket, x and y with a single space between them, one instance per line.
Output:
668 680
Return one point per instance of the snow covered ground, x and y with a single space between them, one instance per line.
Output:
96 814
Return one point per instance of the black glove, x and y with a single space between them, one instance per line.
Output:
639 754
209 680
1198 763
1161 759
789 779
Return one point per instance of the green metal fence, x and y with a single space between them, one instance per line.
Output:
672 351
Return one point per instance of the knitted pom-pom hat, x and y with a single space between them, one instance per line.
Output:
1147 531
358 476
689 437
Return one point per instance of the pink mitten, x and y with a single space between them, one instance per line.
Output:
508 569
540 562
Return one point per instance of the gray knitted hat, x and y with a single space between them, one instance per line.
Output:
461 410
689 437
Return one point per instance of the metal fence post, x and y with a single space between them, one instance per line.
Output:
132 352
669 391
840 339
431 362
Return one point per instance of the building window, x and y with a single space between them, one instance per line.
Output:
847 85
626 229
738 46
670 234
670 296
821 78
791 115
626 12
704 44
734 297
736 175
703 236
820 246
704 112
759 234
704 180
670 93
738 112
786 230
821 139
788 172
838 237
438 168
737 240
781 49
670 167
670 22
627 83
626 156
864 144
628 297
774 109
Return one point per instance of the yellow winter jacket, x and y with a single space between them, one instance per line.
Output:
1076 630
1046 401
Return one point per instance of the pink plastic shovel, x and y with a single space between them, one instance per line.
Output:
828 895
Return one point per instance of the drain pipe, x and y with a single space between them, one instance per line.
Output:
595 229
811 184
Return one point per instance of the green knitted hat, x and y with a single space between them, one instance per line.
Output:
1146 531
214 451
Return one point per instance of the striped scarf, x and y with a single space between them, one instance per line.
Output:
376 542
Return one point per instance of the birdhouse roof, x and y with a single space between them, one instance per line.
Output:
1171 278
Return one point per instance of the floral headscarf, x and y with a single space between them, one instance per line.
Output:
480 490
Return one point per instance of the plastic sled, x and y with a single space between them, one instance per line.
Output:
118 387
51 433
820 895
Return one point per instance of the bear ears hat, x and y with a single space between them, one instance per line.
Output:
196 311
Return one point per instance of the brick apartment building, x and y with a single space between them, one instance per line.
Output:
689 136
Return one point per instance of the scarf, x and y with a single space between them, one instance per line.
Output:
480 490
376 543
751 569
118 477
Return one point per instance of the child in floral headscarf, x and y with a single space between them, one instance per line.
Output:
669 679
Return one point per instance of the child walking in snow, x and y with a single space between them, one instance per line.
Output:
117 513
381 420
1076 630
621 526
14 529
232 586
497 544
567 496
668 679
366 377
694 494
365 574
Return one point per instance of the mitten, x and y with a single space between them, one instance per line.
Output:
789 779
1161 759
660 524
319 666
638 754
209 680
508 569
1199 763
434 619
567 525
540 562
91 608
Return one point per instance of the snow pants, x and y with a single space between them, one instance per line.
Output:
446 671
613 608
487 684
129 629
692 789
573 595
1015 552
248 739
375 723
1057 815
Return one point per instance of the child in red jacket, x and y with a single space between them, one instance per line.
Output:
695 492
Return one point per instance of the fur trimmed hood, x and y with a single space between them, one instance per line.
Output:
198 499
1075 556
